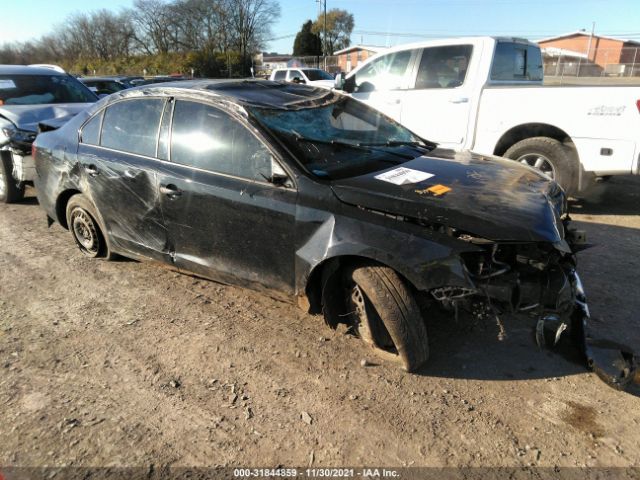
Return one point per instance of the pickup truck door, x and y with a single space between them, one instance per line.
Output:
383 82
438 104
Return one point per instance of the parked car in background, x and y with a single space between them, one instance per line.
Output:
159 79
30 95
311 76
108 85
486 94
317 198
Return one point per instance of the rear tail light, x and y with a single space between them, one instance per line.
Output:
33 150
638 105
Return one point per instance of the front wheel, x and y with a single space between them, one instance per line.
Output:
10 190
385 313
85 228
553 158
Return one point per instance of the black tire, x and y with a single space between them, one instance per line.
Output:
562 160
86 228
392 313
10 190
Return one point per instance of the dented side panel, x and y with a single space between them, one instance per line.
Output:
124 188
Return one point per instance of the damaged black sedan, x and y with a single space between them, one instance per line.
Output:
315 197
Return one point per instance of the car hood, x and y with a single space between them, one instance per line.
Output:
27 117
494 198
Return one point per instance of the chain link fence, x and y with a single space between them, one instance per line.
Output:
600 66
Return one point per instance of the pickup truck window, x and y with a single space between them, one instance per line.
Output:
280 75
384 73
443 67
516 62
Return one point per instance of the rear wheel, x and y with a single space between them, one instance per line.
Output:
551 157
385 314
86 229
11 191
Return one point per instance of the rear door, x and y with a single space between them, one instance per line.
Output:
116 154
225 220
438 104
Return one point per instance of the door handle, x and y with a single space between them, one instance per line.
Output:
459 100
170 190
92 170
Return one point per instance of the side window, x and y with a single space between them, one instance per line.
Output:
132 126
91 131
295 74
205 137
514 61
384 73
443 67
280 75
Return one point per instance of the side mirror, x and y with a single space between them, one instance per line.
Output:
298 80
278 176
338 83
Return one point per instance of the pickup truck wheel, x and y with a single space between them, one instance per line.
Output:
385 314
86 229
551 157
10 190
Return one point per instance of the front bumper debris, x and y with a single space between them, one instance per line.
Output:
614 363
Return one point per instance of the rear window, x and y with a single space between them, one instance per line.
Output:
280 75
516 62
42 89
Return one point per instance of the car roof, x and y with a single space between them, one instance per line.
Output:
27 70
246 92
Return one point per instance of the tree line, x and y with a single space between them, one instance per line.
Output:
215 38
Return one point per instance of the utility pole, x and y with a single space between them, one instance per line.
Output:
593 28
322 4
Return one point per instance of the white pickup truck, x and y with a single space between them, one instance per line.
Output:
485 94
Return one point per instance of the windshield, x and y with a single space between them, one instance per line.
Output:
317 74
344 138
41 89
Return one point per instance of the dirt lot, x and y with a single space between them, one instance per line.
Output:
127 363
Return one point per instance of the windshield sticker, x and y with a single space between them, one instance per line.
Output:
403 176
6 84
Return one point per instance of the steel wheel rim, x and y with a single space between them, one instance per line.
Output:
85 232
539 162
361 320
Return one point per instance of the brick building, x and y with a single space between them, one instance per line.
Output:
350 57
607 53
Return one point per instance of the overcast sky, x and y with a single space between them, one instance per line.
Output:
383 22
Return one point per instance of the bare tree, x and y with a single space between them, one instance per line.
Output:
251 21
155 26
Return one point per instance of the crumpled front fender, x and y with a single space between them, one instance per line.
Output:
614 363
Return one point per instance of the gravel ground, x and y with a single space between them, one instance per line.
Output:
132 364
